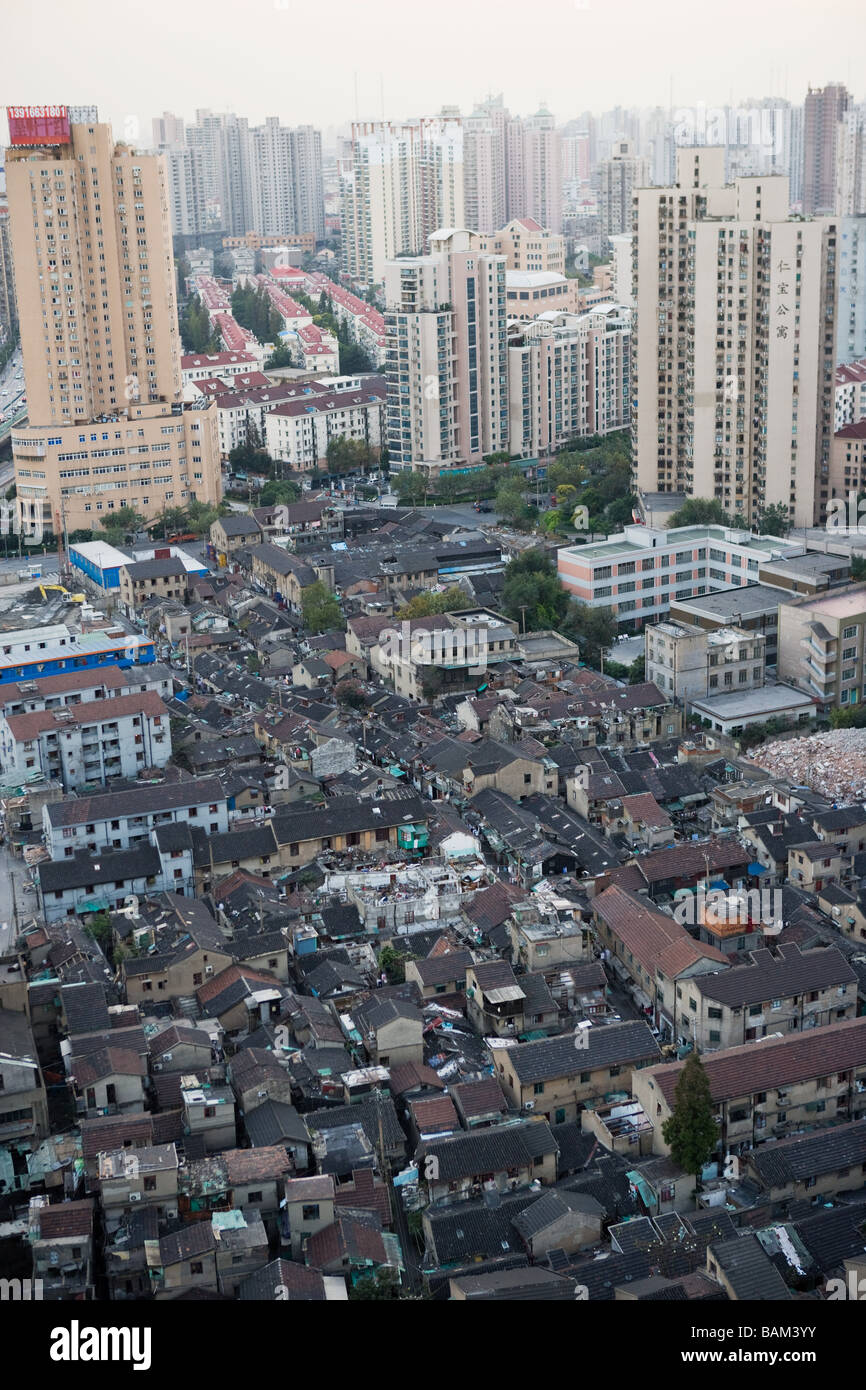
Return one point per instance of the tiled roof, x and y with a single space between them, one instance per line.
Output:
811 1155
65 1219
608 1045
772 1063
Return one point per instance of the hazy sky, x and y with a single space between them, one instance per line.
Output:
300 61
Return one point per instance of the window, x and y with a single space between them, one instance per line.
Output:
254 1196
150 1184
196 1267
310 1211
538 1088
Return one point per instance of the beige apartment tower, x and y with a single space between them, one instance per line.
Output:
734 355
96 292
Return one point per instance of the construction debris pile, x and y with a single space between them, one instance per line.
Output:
832 763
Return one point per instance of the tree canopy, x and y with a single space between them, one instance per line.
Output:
320 609
690 1130
425 605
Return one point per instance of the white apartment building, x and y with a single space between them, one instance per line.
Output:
86 744
527 246
622 248
484 167
446 365
186 193
850 399
851 304
568 377
224 365
735 342
298 432
618 177
688 663
851 163
117 820
405 181
644 569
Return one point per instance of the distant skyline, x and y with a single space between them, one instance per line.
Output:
279 58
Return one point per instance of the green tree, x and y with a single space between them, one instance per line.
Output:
351 693
532 594
700 511
172 521
594 628
394 965
858 568
382 1286
280 357
690 1130
511 504
449 487
353 359
425 605
123 519
196 332
320 609
411 487
775 520
637 673
348 455
279 491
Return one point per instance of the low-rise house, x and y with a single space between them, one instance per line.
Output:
146 1176
479 1103
256 1076
241 999
557 1076
256 1178
812 865
655 952
241 1247
782 993
440 974
110 1081
183 1262
810 1166
560 1221
309 1208
281 574
208 1113
345 824
765 1091
61 1243
177 972
391 1030
745 1271
94 741
352 1245
272 1124
233 532
508 1156
498 1003
179 1048
165 576
23 1101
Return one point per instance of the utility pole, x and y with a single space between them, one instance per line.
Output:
14 900
523 607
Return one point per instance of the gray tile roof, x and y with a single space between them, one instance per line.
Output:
609 1045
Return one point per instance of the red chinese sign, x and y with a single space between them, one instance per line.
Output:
38 125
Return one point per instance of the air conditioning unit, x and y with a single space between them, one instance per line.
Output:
167 1056
157 1066
208 970
135 1196
530 1105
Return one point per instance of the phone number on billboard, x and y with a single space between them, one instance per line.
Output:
28 113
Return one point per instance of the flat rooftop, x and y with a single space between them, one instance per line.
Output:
737 602
746 703
845 605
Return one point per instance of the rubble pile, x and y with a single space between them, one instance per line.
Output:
832 763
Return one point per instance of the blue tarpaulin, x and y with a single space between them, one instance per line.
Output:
756 869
